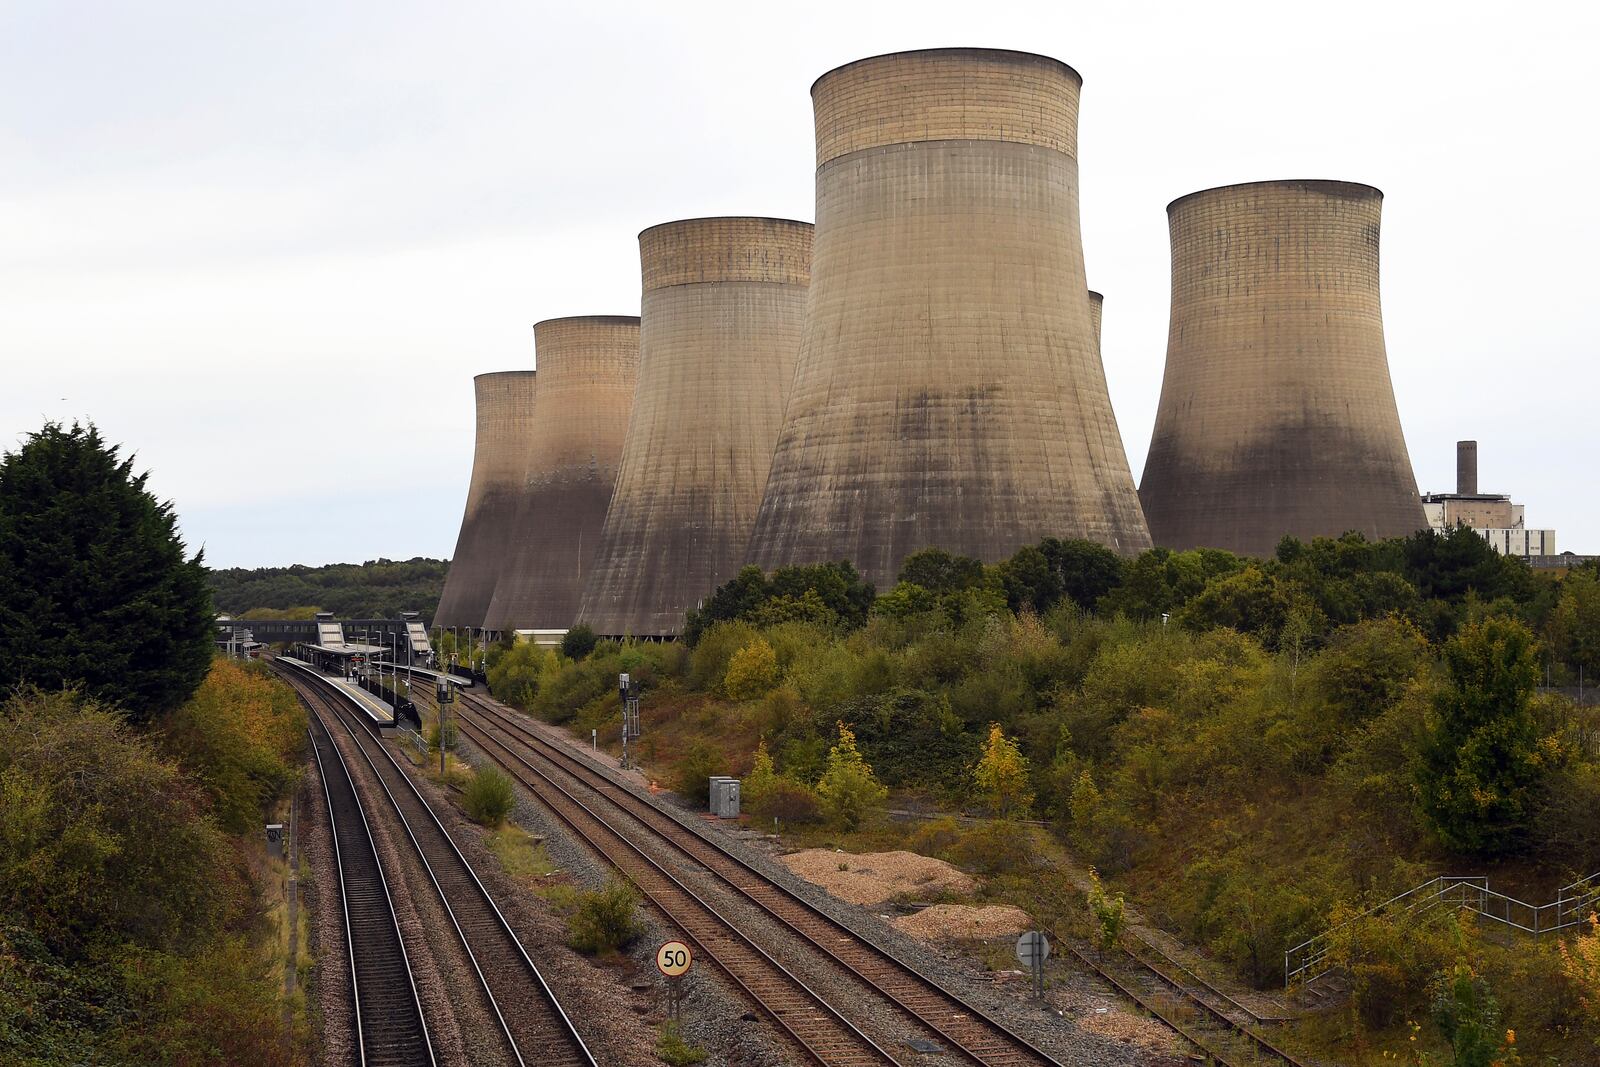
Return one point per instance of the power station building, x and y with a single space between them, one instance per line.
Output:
494 496
723 306
948 390
1277 414
588 367
1491 516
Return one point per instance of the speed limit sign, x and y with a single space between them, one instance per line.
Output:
673 959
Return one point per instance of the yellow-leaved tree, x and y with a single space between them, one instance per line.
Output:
1002 774
849 791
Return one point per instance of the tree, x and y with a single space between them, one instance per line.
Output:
849 791
939 571
1109 914
578 642
1478 767
761 780
1466 1012
1574 626
95 587
752 671
1002 774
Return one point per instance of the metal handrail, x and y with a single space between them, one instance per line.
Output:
1572 906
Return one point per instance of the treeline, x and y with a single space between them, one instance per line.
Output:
378 588
1247 746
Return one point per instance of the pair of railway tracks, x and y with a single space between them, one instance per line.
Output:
599 817
1195 1009
390 1019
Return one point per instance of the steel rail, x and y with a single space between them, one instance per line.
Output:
830 1039
393 1030
566 1038
973 1034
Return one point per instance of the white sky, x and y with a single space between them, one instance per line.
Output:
261 244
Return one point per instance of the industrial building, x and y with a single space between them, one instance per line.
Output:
1490 515
724 302
948 391
1277 415
500 454
588 367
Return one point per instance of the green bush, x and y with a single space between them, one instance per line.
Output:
790 802
605 920
445 729
489 797
1000 847
692 774
674 1050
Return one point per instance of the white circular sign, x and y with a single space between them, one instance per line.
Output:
673 959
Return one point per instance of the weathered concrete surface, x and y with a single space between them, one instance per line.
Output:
948 390
1277 414
724 302
494 496
588 367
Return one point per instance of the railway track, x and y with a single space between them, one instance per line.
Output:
390 1028
1194 1008
536 1028
544 767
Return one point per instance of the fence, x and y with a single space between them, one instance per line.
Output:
1308 961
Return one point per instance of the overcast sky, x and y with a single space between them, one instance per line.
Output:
264 245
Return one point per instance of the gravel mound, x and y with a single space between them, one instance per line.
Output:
962 922
874 877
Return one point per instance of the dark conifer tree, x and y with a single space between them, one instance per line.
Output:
95 587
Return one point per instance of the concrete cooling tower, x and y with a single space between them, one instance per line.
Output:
724 302
1277 415
1096 312
948 391
588 367
494 496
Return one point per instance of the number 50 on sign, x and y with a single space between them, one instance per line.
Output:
673 959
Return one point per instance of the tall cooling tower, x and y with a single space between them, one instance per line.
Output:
948 391
1096 312
724 302
494 496
1277 415
588 367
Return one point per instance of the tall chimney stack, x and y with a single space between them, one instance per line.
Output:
1466 468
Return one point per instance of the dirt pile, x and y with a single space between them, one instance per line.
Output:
962 922
874 877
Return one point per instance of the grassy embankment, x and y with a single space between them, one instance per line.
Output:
1247 773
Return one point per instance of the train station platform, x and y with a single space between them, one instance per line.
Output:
378 713
423 672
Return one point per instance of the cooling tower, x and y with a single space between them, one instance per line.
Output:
724 302
947 391
1277 415
1096 312
587 370
494 496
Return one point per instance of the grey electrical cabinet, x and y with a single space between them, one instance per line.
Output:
724 797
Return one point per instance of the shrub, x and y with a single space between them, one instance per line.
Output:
1002 774
1001 847
692 775
489 797
708 663
578 642
605 920
1108 913
761 780
790 802
936 837
752 671
674 1050
848 790
448 730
